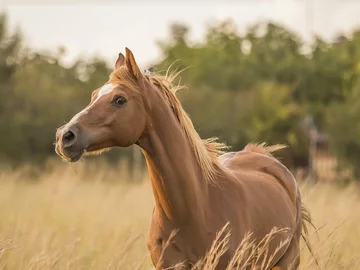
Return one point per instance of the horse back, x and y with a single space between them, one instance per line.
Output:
254 162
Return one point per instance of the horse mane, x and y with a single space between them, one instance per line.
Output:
206 150
263 148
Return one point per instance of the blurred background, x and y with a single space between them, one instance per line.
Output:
275 71
280 71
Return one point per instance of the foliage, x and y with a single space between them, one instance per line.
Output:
269 81
342 122
254 86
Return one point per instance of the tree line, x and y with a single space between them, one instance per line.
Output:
256 86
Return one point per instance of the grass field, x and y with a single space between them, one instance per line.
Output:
91 217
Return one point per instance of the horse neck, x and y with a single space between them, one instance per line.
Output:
176 177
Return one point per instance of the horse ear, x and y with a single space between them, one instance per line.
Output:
131 64
120 61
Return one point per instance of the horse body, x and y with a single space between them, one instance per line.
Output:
267 203
197 190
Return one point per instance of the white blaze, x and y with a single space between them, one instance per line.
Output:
106 89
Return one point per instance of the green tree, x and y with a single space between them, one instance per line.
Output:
242 88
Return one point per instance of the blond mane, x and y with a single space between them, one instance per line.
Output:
263 148
206 150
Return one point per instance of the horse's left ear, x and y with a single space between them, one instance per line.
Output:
120 61
131 64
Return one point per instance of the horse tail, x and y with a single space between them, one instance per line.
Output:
307 220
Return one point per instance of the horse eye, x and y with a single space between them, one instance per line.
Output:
118 100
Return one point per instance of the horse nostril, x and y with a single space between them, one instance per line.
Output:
68 137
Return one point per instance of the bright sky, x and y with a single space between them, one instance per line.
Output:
106 27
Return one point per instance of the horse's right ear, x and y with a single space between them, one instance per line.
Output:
120 61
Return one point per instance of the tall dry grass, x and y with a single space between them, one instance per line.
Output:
90 216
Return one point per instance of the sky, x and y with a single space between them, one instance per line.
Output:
105 28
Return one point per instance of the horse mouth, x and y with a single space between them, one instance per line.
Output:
75 156
70 156
74 152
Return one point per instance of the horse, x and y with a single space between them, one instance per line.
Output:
197 186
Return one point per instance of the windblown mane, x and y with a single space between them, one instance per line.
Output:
264 149
206 150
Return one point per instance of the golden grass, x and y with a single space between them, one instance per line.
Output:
91 217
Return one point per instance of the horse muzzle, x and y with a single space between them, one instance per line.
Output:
70 143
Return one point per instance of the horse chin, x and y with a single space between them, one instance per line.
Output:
73 157
69 157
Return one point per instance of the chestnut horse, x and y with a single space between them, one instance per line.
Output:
197 188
